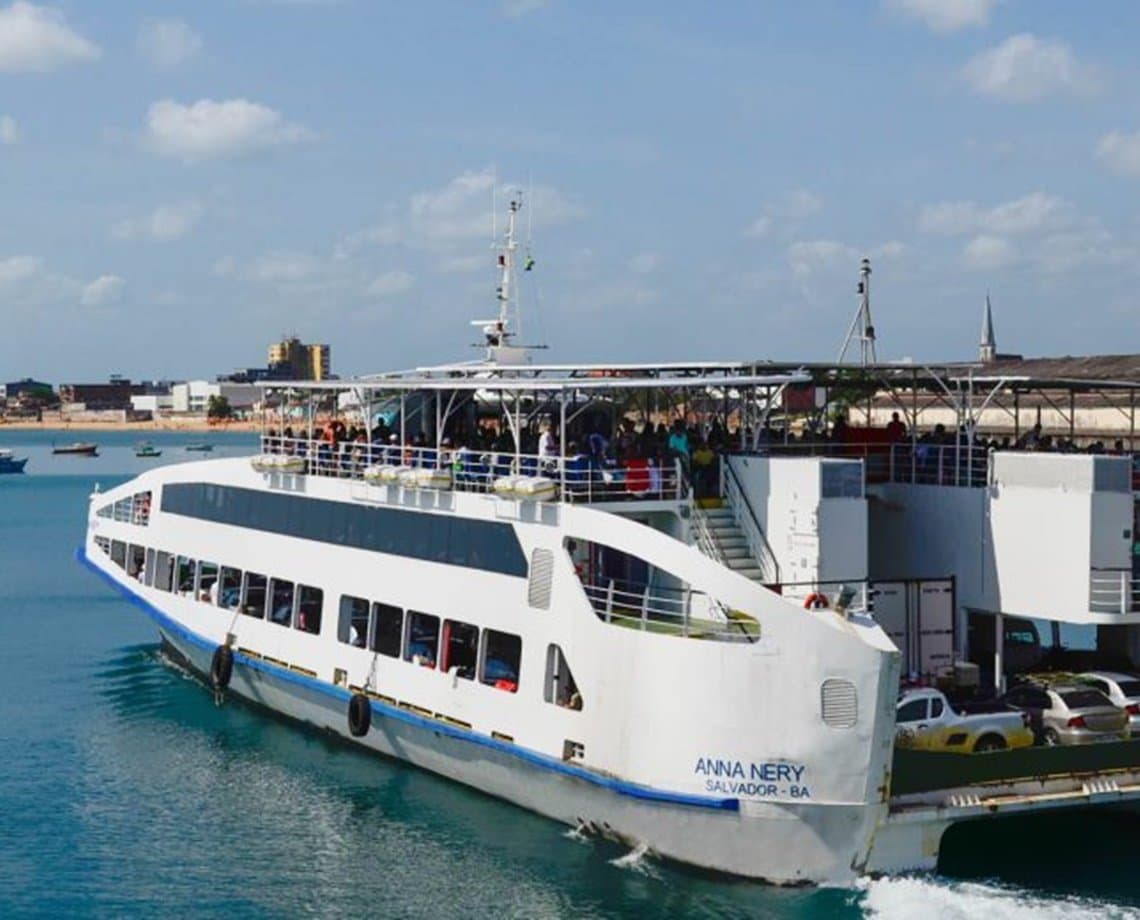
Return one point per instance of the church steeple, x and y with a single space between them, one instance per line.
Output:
987 348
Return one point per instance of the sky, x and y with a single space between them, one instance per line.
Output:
183 182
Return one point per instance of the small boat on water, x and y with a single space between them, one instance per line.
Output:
201 447
9 463
146 449
84 448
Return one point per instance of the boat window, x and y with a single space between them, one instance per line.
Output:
164 571
140 508
310 600
229 594
491 546
104 543
502 653
914 711
184 576
136 560
560 687
281 602
253 599
460 649
352 624
422 646
148 576
106 511
119 553
388 630
208 582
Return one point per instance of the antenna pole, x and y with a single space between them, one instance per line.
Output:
862 328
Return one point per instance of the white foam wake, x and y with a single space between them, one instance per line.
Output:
639 859
942 899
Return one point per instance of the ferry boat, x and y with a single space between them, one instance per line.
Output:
80 448
682 652
9 463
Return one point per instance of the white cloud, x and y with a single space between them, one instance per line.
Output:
1032 213
18 268
164 223
271 268
516 8
1025 68
460 211
987 253
645 263
1120 152
807 257
9 130
391 283
461 265
37 39
789 211
208 129
103 291
946 15
168 43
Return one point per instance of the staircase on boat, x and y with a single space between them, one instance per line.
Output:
726 541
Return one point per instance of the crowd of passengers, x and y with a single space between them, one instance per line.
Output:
644 457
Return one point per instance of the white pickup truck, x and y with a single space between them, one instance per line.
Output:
926 720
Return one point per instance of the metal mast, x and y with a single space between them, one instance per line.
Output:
862 328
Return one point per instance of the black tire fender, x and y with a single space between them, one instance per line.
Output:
359 715
221 667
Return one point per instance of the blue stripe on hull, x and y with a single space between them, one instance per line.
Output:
386 711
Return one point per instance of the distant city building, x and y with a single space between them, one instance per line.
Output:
154 403
194 396
115 394
293 359
27 389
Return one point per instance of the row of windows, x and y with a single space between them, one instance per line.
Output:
135 509
418 637
279 600
454 647
491 546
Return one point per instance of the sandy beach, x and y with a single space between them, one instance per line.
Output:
162 424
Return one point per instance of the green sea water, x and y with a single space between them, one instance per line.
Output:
125 791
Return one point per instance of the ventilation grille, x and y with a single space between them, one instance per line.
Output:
839 704
541 576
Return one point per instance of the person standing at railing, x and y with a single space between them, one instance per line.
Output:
704 461
896 429
678 443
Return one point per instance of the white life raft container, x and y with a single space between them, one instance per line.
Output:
535 488
433 479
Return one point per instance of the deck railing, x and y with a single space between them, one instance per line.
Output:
1113 591
579 478
919 463
668 611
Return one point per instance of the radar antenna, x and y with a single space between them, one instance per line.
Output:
862 329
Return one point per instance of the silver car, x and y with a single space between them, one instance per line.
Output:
1123 689
1069 713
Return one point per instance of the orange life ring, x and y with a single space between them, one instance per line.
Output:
815 601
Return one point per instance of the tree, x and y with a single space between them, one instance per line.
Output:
219 407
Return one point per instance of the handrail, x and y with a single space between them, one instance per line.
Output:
577 478
759 531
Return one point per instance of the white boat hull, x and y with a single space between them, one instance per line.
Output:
774 842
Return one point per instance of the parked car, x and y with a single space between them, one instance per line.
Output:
1123 689
926 720
1068 712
